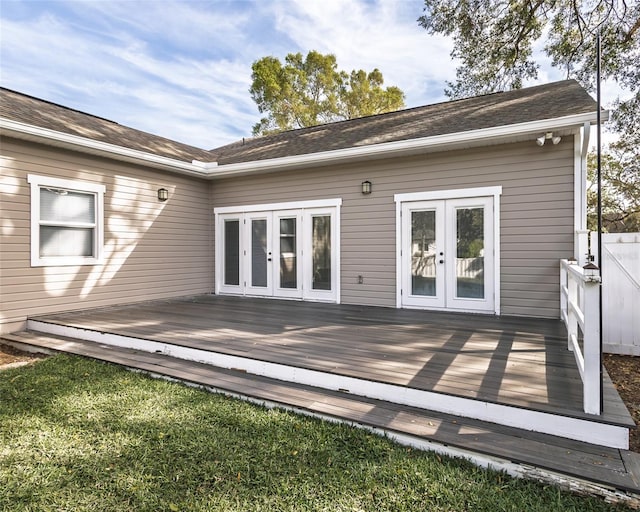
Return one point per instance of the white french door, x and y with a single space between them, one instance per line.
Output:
447 254
257 266
288 253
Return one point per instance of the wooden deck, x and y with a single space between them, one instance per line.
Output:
520 362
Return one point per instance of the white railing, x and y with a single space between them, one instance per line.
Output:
580 311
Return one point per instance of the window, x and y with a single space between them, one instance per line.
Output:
66 221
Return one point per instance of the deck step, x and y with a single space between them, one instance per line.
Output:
494 444
581 427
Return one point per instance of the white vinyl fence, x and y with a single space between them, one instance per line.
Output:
620 291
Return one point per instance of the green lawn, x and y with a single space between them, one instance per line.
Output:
81 435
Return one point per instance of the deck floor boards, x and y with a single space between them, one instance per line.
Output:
608 466
510 360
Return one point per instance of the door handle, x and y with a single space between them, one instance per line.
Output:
441 261
268 259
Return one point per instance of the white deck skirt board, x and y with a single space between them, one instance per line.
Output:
538 421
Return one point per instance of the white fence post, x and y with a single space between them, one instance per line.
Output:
582 246
591 347
572 298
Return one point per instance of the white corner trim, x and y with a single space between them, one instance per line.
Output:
580 150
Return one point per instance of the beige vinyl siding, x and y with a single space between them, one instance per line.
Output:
536 214
152 249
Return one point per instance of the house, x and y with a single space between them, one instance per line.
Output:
471 206
466 205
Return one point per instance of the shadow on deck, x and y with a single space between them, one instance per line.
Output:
505 387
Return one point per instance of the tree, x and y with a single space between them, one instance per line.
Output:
620 197
494 42
310 91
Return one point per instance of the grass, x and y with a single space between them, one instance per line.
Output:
81 435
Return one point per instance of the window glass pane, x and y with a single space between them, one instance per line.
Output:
259 252
232 252
321 247
423 253
470 253
288 258
63 241
66 206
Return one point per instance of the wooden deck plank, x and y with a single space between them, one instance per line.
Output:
516 361
604 465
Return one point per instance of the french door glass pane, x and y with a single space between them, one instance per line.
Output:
232 252
321 247
470 253
63 241
259 252
288 260
423 253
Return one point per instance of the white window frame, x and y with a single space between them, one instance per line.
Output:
39 182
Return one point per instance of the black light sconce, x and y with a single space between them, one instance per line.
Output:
366 187
163 194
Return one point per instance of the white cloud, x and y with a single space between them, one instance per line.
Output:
364 35
182 69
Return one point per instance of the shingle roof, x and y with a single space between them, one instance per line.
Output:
43 114
547 101
541 102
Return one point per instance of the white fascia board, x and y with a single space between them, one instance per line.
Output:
214 170
26 131
397 148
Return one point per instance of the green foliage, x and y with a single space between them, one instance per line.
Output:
620 196
311 90
494 42
77 435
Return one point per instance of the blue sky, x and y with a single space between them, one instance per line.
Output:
183 69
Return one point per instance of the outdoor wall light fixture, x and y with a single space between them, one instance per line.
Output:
548 136
163 194
366 187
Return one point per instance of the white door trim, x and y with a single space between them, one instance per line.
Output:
495 192
291 205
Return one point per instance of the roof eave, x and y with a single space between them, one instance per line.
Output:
213 170
471 138
29 132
